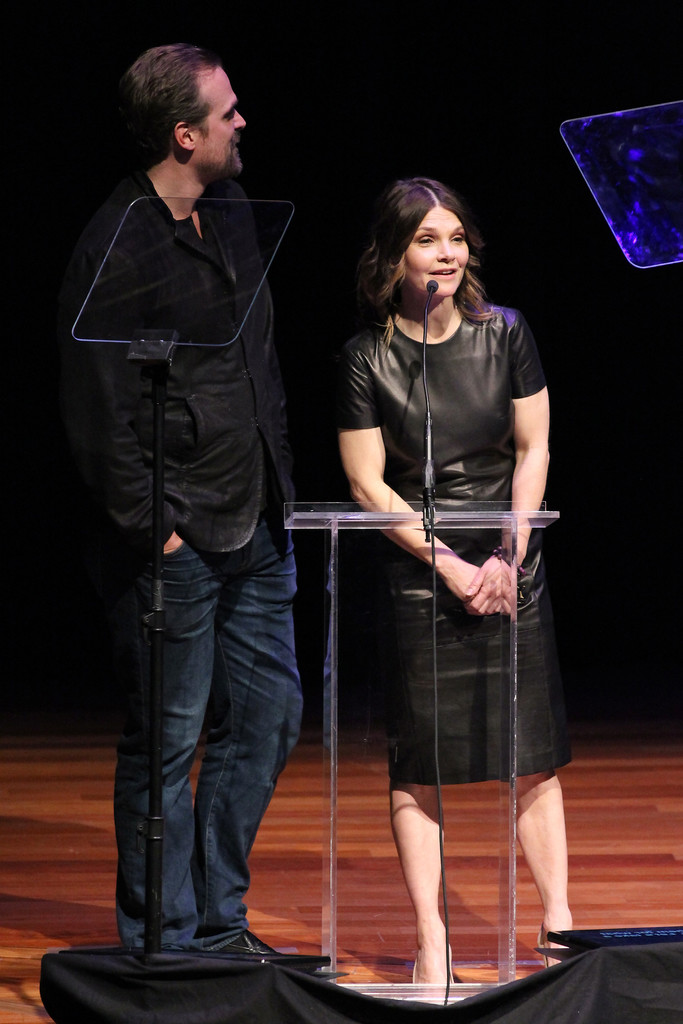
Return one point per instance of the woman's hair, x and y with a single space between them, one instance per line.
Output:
399 211
160 89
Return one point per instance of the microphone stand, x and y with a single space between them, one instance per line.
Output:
428 516
428 468
153 352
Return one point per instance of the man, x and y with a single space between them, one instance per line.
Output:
229 574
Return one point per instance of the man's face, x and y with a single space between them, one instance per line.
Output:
216 154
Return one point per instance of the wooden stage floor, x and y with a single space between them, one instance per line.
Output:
624 805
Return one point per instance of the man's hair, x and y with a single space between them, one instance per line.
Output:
160 89
399 212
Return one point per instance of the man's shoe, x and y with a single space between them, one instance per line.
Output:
245 943
247 946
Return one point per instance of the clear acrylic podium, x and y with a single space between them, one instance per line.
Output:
492 810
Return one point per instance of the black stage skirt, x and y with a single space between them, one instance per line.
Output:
469 653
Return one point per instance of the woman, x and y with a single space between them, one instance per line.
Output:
489 407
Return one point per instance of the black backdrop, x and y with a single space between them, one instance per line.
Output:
340 99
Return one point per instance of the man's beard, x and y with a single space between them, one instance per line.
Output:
234 161
220 170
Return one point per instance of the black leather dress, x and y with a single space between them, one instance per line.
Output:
473 377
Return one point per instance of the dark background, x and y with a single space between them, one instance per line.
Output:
339 100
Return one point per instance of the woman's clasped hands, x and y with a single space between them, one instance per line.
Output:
489 589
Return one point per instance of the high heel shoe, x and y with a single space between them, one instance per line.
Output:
540 944
543 948
416 982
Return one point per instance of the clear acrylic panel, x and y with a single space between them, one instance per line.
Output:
126 298
363 890
632 161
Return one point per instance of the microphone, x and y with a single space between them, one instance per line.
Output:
428 465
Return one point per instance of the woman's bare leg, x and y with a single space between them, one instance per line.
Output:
415 825
543 838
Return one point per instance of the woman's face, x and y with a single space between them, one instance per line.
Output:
438 252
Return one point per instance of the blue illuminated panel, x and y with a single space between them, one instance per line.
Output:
632 161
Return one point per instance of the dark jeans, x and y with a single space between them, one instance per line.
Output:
229 644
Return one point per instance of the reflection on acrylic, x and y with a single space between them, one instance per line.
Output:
133 293
632 161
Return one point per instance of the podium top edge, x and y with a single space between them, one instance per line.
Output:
311 515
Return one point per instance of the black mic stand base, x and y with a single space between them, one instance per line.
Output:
105 986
